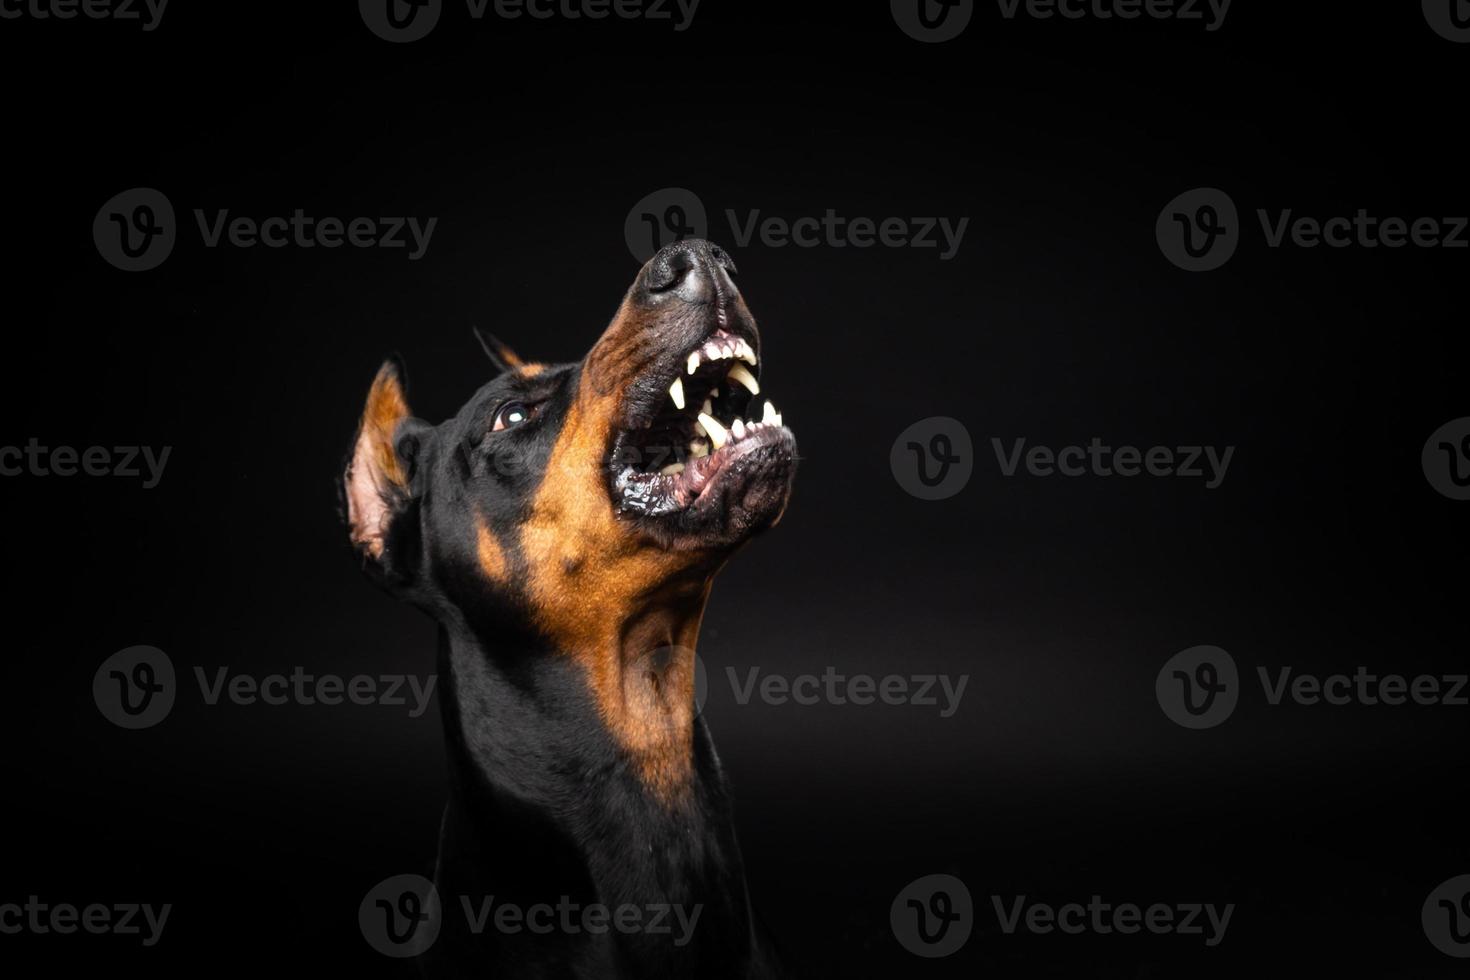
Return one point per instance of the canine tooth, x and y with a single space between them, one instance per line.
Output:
673 469
716 432
708 407
742 374
676 392
769 415
738 428
693 362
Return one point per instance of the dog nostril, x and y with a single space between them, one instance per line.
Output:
668 271
723 258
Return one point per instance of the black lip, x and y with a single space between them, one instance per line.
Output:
747 492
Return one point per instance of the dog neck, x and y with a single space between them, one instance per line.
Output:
540 720
547 799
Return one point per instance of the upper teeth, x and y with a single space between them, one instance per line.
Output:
723 349
742 374
736 349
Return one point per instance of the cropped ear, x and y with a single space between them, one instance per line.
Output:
377 484
500 355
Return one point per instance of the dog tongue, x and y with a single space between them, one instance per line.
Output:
655 494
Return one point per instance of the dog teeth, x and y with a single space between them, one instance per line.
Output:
738 429
693 362
699 448
769 416
716 432
742 374
743 351
673 469
708 408
676 392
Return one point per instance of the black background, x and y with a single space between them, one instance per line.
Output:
1059 320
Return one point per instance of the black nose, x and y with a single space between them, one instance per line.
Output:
694 271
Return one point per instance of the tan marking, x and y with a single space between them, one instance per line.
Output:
510 357
492 557
530 370
375 469
605 596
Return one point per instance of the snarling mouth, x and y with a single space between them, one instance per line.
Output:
713 448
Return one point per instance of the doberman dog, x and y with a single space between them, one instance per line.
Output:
564 529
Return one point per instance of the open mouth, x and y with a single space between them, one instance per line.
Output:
714 442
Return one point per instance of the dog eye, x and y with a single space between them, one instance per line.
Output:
512 413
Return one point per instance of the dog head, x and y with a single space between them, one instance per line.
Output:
587 504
